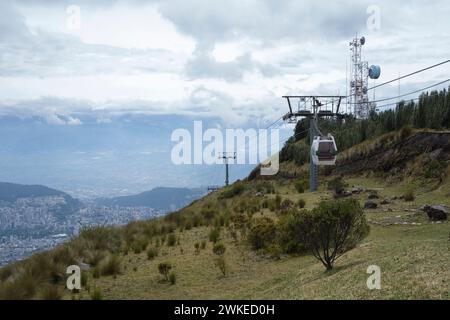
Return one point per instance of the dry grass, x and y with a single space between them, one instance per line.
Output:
413 260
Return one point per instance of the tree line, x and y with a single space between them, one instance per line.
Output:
431 110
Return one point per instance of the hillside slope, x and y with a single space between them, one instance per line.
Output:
411 251
161 198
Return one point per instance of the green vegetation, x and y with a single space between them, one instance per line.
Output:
164 269
232 191
249 224
432 111
262 233
172 278
214 235
337 185
222 265
97 294
152 252
171 240
301 185
301 203
331 229
219 249
409 195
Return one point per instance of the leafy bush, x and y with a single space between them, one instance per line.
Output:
409 195
84 279
232 191
331 229
50 292
214 235
171 240
139 244
222 264
405 132
97 294
301 185
203 244
286 204
301 203
197 248
299 153
111 266
219 249
208 214
172 278
164 269
265 187
289 235
100 238
22 288
262 233
336 184
277 201
435 169
152 252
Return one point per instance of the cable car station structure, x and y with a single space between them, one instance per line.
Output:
323 148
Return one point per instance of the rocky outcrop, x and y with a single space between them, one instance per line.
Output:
394 157
436 212
370 204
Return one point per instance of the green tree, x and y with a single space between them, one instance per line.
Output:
331 229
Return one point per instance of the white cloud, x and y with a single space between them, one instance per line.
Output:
196 57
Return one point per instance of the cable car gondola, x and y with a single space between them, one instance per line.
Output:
324 150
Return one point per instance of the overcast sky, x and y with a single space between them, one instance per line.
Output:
233 59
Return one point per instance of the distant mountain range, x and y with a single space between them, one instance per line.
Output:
11 193
161 198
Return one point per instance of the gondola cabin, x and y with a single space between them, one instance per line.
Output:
324 151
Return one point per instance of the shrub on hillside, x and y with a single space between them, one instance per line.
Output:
301 185
219 249
139 244
164 269
171 240
405 132
286 204
208 213
289 235
232 191
172 278
214 235
262 233
409 195
24 287
97 294
301 203
197 248
278 200
221 263
331 229
435 169
265 187
337 185
111 266
152 252
100 238
50 292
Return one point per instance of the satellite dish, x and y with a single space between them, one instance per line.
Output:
374 72
362 40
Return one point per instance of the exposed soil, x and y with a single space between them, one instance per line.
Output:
400 156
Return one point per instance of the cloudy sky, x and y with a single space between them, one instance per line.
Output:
232 59
68 61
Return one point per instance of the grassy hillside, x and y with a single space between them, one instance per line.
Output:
412 251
